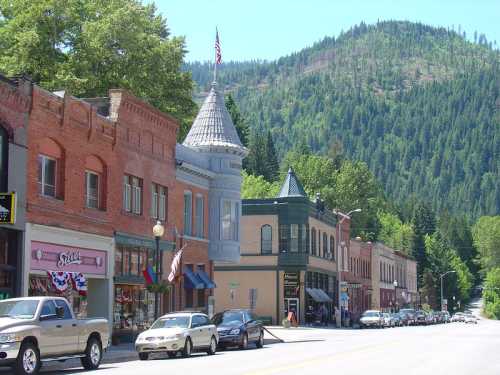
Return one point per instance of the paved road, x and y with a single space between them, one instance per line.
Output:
454 348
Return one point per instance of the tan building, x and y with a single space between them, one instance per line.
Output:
394 279
287 257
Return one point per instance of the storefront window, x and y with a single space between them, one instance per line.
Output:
133 309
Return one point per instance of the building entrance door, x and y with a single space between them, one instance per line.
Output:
292 304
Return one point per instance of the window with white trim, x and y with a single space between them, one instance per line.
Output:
91 189
132 194
199 216
159 202
229 216
47 172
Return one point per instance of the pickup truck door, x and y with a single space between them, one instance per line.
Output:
70 329
50 333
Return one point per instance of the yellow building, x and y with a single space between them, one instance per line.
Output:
287 257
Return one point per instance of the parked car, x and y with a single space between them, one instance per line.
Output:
41 329
388 321
405 321
469 318
181 332
371 318
396 317
410 315
458 317
421 317
431 317
239 328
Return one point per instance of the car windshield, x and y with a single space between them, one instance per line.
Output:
22 309
229 317
171 322
370 314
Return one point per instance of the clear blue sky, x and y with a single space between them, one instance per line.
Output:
258 29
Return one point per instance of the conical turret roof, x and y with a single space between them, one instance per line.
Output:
292 186
213 128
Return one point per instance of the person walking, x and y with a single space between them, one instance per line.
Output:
324 315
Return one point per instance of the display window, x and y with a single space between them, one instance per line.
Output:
40 286
133 309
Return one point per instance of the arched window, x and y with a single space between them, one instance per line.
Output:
50 169
94 182
266 239
4 154
325 245
313 241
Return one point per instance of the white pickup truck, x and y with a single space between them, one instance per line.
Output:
41 329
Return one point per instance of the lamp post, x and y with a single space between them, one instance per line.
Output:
395 283
158 231
339 248
441 277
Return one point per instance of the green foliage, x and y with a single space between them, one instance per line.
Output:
486 234
257 187
491 294
262 159
396 234
350 187
89 46
441 258
417 104
272 164
424 224
239 121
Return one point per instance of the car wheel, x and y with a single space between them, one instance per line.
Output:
93 354
28 360
188 347
212 347
244 342
260 341
143 356
172 354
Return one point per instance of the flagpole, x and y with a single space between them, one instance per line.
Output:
215 55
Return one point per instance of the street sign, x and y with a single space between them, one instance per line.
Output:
7 208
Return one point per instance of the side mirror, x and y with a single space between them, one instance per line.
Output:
48 317
60 312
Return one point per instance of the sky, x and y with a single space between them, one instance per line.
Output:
269 29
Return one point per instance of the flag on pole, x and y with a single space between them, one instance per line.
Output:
149 275
218 56
175 265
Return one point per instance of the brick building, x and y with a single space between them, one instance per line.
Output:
15 103
359 277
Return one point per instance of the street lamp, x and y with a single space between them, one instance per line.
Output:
441 277
158 231
395 283
339 246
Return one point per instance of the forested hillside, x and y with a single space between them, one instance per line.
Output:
420 105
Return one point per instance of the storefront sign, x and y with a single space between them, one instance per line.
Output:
45 256
7 208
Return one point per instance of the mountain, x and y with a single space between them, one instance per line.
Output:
420 105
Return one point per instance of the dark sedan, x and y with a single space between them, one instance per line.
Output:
239 328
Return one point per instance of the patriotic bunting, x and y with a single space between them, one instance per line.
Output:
62 281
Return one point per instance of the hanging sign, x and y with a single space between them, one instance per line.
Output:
7 208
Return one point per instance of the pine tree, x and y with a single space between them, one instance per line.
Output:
239 121
424 223
255 162
272 165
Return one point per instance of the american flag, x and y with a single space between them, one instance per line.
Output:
218 56
175 265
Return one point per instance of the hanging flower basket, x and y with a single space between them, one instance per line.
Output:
159 288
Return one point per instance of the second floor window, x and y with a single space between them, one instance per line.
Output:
266 239
230 217
294 238
200 211
91 189
47 176
158 202
132 194
313 241
332 247
325 245
188 213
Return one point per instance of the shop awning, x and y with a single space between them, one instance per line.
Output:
192 281
209 284
324 296
318 295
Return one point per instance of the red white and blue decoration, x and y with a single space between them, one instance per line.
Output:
62 281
